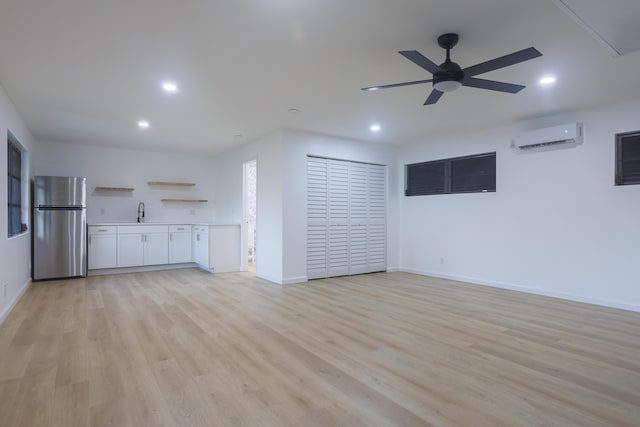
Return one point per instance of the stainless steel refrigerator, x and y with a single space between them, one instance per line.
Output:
59 227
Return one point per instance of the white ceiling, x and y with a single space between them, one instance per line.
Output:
85 71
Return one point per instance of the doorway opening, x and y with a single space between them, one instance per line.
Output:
249 215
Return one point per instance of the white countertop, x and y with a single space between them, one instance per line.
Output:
161 223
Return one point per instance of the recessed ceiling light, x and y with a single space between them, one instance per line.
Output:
143 124
547 80
169 87
375 128
293 110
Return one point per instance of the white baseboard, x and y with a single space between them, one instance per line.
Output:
5 313
287 281
292 280
269 278
527 289
394 269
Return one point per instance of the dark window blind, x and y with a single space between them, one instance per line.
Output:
468 174
473 174
14 189
425 178
628 158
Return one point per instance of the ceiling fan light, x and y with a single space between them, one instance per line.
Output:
447 85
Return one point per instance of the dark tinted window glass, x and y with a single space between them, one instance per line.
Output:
425 178
628 158
469 174
473 174
14 193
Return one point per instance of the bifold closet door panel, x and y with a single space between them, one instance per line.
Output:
377 211
338 218
317 211
358 218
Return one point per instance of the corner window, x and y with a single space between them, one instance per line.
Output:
628 158
468 174
16 188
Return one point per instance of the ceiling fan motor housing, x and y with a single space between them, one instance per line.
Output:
449 78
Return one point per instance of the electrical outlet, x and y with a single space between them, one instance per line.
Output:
4 290
441 261
102 211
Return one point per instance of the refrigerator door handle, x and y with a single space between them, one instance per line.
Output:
59 208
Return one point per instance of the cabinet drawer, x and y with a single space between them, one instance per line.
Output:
185 228
142 229
201 228
102 229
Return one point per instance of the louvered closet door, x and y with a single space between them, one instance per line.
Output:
377 230
317 211
358 218
346 218
338 218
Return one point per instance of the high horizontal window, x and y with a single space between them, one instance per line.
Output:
628 158
468 174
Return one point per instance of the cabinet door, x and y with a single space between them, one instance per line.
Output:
156 248
201 247
130 250
179 248
102 251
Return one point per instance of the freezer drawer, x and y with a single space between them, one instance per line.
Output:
59 243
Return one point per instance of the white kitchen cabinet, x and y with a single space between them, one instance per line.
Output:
156 248
180 244
102 249
143 245
217 247
201 245
130 250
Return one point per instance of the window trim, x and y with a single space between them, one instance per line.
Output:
447 177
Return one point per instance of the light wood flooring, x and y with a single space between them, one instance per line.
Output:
187 348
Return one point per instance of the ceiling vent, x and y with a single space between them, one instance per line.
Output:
613 23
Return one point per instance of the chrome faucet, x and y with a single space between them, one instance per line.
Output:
141 212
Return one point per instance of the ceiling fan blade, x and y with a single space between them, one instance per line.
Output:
421 60
417 82
503 61
433 97
492 85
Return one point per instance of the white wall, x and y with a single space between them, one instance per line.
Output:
116 167
282 194
15 253
228 180
557 225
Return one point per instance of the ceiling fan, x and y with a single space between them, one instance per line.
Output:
448 76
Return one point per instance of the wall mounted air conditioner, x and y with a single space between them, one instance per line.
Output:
552 138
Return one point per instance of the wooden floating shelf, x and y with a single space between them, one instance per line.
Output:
185 200
113 189
179 184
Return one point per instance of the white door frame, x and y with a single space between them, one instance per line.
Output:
244 259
